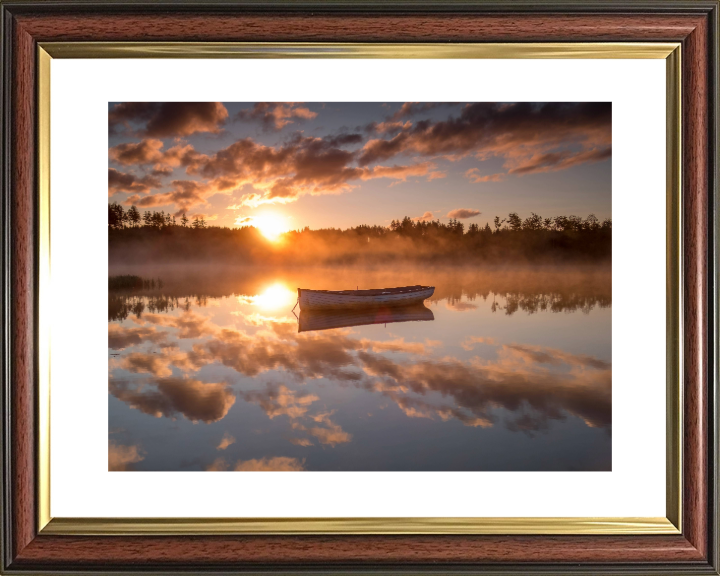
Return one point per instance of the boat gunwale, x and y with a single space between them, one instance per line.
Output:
370 293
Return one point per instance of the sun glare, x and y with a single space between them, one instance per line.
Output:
275 296
271 226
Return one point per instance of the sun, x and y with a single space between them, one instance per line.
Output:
271 226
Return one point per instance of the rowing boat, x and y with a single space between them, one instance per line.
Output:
311 320
339 299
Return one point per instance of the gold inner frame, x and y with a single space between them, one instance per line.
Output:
671 524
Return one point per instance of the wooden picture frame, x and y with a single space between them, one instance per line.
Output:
32 545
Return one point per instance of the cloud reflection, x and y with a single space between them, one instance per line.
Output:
518 386
274 464
170 397
121 458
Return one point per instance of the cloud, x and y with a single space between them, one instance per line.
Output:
218 465
515 132
188 324
409 109
120 338
169 119
460 306
463 213
145 362
303 165
541 355
125 182
525 385
331 436
121 457
186 194
226 441
144 152
169 397
301 442
529 138
274 464
469 343
426 217
280 401
276 115
475 177
390 127
518 381
400 173
560 161
398 345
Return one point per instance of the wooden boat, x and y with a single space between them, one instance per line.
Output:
383 297
327 319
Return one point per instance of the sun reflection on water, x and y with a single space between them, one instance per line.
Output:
273 297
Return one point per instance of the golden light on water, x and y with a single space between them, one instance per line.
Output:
273 297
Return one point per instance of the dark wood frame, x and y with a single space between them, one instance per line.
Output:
693 23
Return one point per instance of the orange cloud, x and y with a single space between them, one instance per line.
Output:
475 177
226 441
188 324
120 458
276 115
426 217
459 306
168 397
280 401
120 338
274 464
144 152
301 442
463 213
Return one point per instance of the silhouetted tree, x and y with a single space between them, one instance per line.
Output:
134 216
514 222
184 220
116 215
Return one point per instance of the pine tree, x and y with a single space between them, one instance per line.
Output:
184 220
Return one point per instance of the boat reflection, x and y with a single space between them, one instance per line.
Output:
310 320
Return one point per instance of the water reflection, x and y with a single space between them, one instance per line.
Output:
274 297
455 385
310 320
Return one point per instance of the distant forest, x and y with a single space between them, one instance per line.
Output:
159 237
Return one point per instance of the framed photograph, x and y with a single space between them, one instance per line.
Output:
389 287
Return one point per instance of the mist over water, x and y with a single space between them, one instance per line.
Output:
505 368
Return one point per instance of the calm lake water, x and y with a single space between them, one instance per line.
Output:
504 369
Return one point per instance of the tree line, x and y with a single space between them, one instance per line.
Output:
534 223
561 238
119 218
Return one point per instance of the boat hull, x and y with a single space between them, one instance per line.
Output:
319 300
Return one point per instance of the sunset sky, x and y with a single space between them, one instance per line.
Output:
344 164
